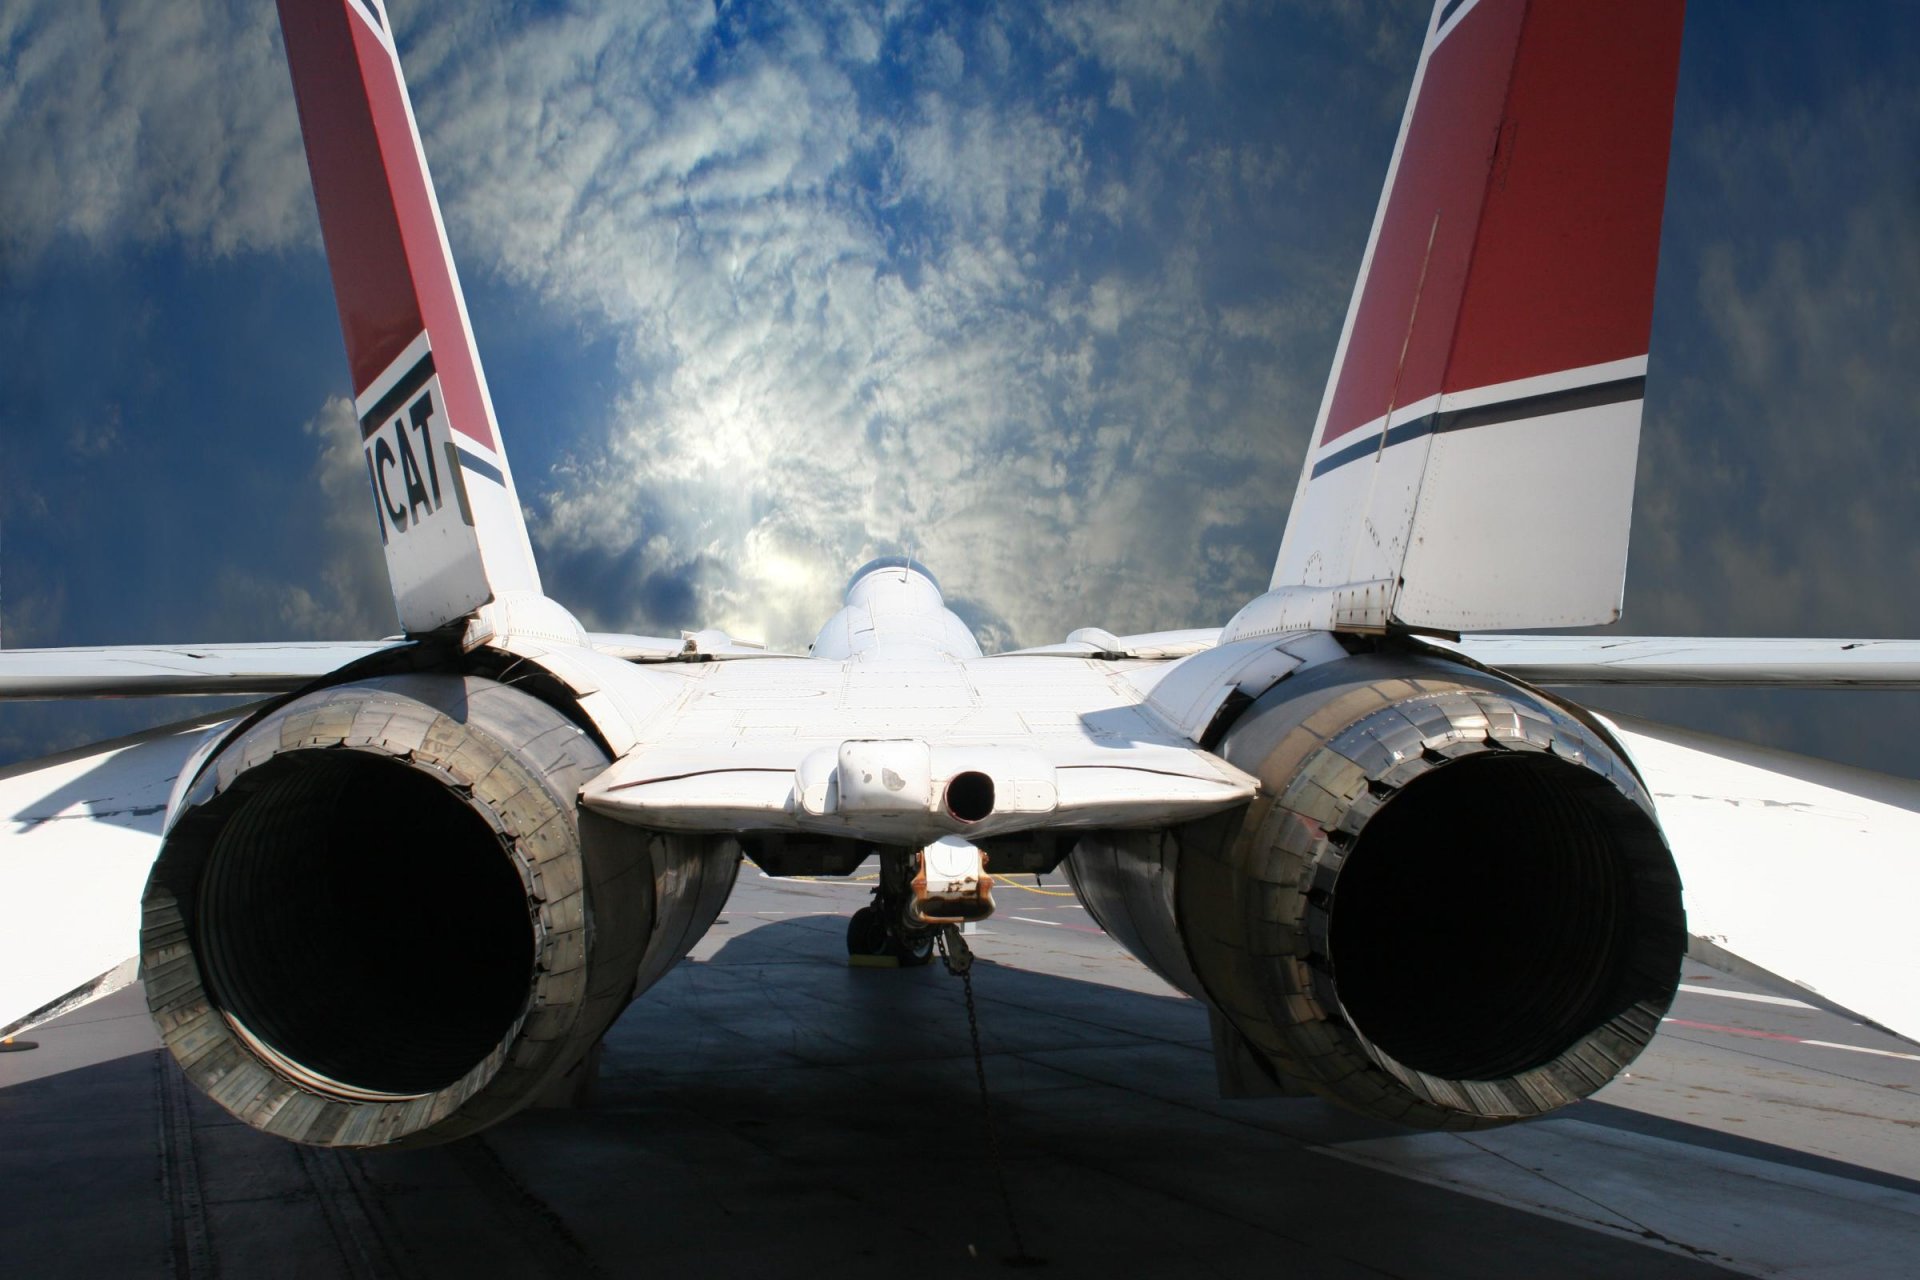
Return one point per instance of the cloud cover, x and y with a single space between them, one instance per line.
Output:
888 278
1007 287
143 123
1046 293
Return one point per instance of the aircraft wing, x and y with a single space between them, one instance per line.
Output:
78 832
1805 871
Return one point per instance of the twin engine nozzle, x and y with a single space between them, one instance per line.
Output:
382 917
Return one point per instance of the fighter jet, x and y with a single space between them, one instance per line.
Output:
406 894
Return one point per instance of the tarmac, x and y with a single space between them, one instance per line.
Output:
769 1111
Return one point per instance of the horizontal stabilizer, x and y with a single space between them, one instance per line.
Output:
1765 662
134 671
246 670
1803 869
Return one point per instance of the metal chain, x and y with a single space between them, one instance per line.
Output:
958 957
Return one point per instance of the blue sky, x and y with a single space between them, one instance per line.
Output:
764 290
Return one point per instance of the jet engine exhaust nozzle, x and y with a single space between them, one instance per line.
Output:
382 918
1450 906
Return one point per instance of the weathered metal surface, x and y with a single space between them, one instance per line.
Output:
609 908
1241 911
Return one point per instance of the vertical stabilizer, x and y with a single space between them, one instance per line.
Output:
441 488
1472 465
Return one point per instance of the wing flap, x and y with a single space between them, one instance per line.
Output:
78 833
1802 869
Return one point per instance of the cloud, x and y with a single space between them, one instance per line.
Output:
1142 37
1778 462
147 122
338 590
1779 465
1047 294
96 438
966 310
872 279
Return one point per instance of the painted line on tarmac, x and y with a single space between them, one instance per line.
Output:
1007 882
1775 1035
1058 924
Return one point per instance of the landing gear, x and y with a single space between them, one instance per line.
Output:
884 934
921 891
874 938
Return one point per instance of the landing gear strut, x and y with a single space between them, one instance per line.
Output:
884 934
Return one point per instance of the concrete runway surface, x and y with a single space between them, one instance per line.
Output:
768 1111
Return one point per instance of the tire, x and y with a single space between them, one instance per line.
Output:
867 933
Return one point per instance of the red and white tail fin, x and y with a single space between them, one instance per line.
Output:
441 488
1473 462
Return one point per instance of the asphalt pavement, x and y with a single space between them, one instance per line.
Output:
769 1111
